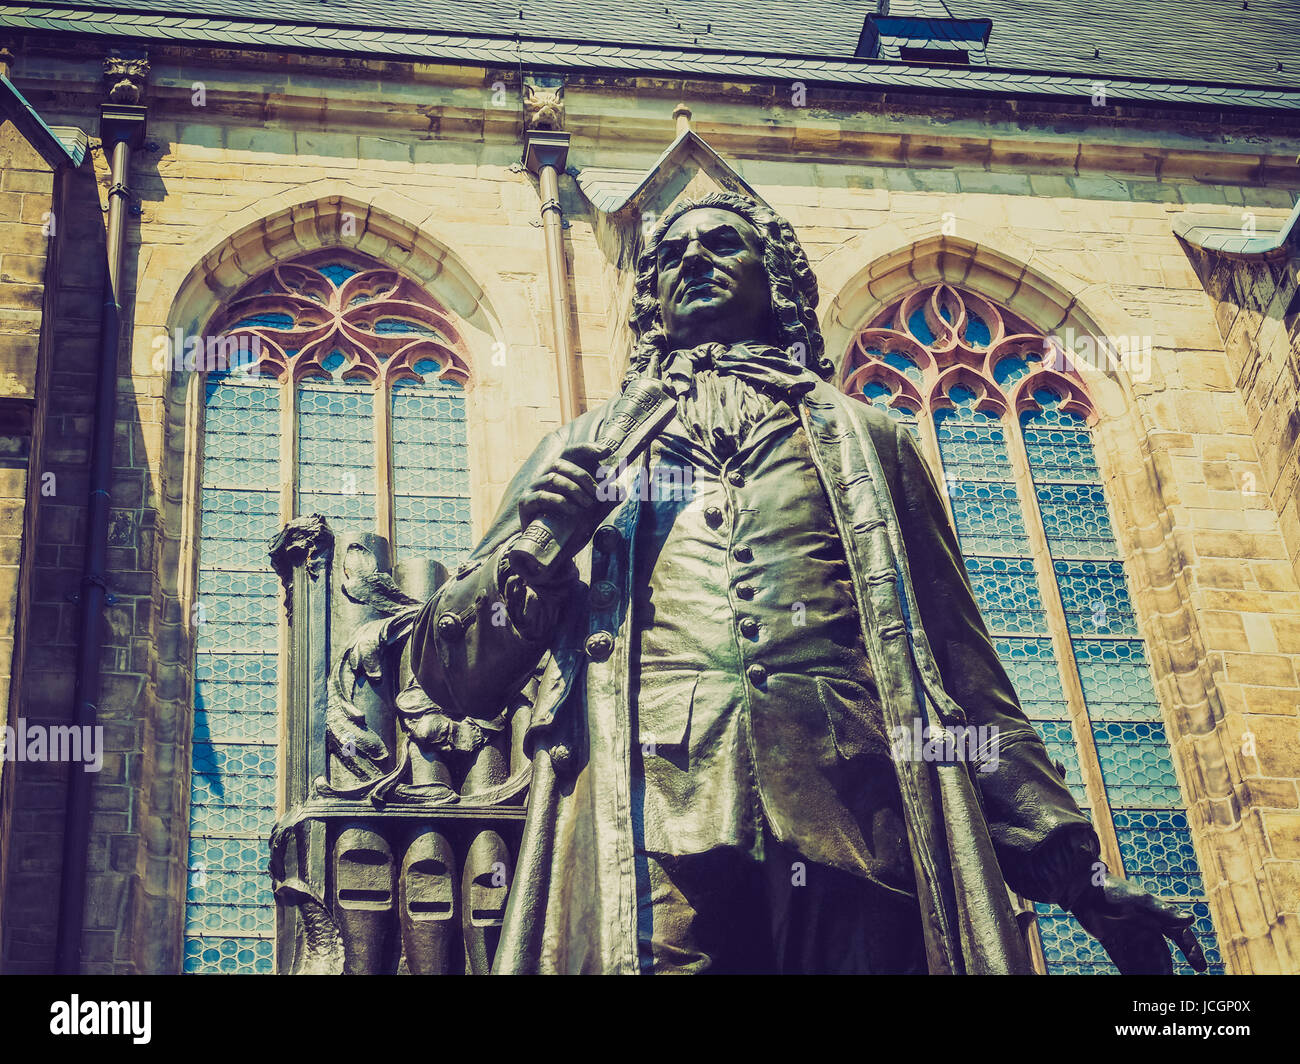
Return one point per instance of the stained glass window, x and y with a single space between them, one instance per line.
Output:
345 355
978 386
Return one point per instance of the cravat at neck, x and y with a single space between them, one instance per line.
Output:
758 364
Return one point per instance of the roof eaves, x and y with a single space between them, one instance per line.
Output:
1226 235
676 60
64 147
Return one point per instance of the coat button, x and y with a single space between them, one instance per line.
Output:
757 675
604 595
745 591
450 627
749 628
736 478
742 554
713 517
607 539
600 646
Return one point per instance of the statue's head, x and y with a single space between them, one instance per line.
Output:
724 269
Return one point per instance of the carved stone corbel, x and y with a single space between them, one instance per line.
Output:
125 76
543 107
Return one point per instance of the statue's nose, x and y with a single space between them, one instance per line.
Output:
695 260
694 251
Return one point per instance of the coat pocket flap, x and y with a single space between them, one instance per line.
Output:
854 715
664 708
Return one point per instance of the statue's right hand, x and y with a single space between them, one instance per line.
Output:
567 493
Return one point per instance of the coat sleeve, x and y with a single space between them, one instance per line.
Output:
477 640
1045 844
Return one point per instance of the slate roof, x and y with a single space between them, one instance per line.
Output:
1142 44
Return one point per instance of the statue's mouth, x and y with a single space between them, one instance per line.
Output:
699 288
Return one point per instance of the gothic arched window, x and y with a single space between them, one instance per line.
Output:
332 388
1003 416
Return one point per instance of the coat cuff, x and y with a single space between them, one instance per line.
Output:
1062 869
477 640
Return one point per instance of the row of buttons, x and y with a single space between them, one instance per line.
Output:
749 626
604 593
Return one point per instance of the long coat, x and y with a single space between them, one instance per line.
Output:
973 829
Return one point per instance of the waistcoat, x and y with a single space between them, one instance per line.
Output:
755 697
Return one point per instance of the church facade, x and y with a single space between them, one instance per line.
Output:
359 271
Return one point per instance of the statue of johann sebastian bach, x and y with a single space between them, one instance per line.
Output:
715 669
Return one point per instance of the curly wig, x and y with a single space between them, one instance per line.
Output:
794 288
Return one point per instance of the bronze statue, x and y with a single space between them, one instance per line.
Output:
716 671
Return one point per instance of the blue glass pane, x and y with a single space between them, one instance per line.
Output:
212 956
977 330
431 468
237 526
235 698
1095 597
1058 735
1159 843
230 913
1116 679
988 517
972 448
1135 764
1076 521
237 611
265 321
1010 370
1035 677
338 272
1006 590
336 454
905 365
241 430
919 327
400 326
880 396
1067 947
1206 936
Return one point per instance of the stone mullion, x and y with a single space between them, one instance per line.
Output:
1089 761
385 505
288 510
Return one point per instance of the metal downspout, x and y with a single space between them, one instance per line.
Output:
545 153
121 129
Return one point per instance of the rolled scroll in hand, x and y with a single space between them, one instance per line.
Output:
643 409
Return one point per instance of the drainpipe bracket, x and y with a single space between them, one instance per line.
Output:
134 203
91 578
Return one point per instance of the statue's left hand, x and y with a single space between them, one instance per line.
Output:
1132 925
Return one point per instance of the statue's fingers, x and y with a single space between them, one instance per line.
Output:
1190 946
537 503
585 455
578 476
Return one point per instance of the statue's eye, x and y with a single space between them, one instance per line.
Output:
725 241
670 251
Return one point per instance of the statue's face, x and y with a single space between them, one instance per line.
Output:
712 284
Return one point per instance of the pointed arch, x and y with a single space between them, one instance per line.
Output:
881 268
328 213
417 325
